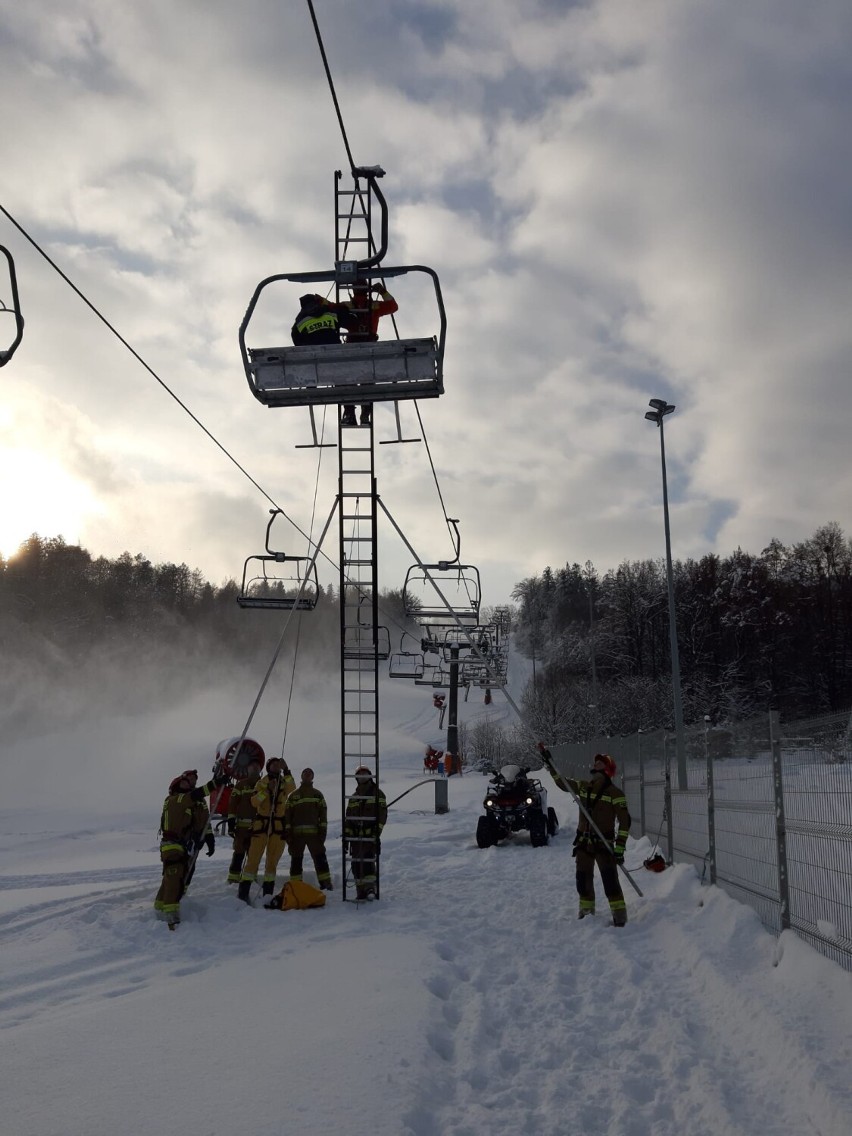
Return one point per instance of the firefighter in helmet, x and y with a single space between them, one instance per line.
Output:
241 813
184 827
305 826
366 816
606 804
269 800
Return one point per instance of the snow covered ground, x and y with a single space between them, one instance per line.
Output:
469 1001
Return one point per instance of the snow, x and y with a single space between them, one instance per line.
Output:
469 1000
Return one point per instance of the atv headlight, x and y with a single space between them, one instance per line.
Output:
489 803
529 800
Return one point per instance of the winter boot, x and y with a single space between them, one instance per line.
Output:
619 919
243 891
235 868
348 418
366 415
268 887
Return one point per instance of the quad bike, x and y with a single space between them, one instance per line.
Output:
515 802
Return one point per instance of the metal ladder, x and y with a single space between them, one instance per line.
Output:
359 609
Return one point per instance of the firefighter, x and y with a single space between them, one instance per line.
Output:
269 801
305 826
184 827
366 816
241 813
360 316
606 804
318 321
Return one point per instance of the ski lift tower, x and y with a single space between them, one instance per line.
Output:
389 370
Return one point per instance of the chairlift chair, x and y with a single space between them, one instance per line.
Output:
277 581
406 664
15 311
358 642
433 676
460 585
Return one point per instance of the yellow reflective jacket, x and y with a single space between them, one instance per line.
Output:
269 800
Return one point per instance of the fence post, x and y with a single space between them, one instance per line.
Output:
668 802
442 800
641 782
711 801
780 820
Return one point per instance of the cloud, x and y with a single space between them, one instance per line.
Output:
621 202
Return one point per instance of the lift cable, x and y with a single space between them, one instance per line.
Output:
299 621
169 391
331 85
147 367
372 243
161 381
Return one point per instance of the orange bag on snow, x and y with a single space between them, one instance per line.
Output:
297 894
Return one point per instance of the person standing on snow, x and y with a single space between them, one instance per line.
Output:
606 804
241 813
366 816
267 830
305 826
184 826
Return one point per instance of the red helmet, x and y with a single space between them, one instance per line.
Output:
187 775
606 763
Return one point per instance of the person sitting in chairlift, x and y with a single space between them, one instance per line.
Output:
318 322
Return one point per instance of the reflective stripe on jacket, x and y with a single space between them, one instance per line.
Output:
270 800
184 817
361 819
605 802
307 812
240 806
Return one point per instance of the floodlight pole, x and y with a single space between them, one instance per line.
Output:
660 409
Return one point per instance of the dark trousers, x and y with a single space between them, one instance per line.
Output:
587 855
316 846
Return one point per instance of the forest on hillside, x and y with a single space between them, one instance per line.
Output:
755 632
83 634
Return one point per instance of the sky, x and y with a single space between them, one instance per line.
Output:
467 1001
622 202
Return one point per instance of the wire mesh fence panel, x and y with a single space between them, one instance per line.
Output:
655 813
818 809
795 812
689 813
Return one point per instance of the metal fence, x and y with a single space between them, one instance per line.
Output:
765 813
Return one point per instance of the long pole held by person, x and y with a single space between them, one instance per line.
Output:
547 758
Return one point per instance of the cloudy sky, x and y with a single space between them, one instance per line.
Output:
622 201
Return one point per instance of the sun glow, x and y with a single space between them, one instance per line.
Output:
37 495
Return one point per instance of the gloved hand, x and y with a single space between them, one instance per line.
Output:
232 825
210 841
221 780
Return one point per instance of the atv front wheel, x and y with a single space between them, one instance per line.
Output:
486 832
538 830
552 822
